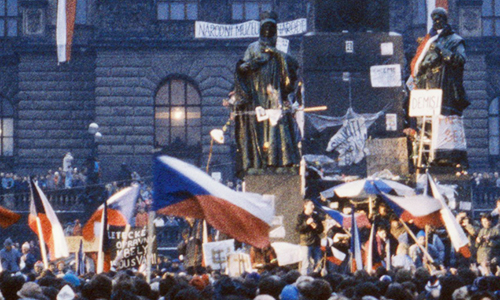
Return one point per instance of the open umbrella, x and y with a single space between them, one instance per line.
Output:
363 188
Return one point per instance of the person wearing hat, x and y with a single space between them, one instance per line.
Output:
418 256
10 257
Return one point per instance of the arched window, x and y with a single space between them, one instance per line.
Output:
494 128
178 118
6 128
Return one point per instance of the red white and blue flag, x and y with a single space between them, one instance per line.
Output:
183 190
356 258
121 207
457 235
431 5
422 209
51 229
346 220
8 217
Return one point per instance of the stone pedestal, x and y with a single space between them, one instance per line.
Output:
288 200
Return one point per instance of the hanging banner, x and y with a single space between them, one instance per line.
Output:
131 247
250 29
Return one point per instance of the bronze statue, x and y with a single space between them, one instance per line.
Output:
265 85
439 64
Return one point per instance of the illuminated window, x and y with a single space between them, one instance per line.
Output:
8 18
249 10
177 114
177 10
6 128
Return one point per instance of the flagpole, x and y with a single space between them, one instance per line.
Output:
42 244
150 240
100 253
429 257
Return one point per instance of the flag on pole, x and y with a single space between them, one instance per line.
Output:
457 235
80 261
422 209
8 217
52 231
104 255
345 220
357 262
65 24
120 209
181 189
431 5
333 254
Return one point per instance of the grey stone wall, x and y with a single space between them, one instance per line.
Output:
56 104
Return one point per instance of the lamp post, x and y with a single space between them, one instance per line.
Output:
96 138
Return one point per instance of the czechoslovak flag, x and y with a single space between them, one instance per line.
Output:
181 189
8 217
120 211
52 231
66 12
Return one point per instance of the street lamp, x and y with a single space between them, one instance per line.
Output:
96 138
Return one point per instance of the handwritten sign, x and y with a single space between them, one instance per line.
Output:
387 154
215 253
131 248
250 29
425 102
385 76
449 134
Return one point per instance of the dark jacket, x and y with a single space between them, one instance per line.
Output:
309 236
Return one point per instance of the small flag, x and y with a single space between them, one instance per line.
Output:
345 220
357 262
52 231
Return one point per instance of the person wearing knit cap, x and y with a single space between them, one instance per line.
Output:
66 293
10 257
290 292
418 256
30 290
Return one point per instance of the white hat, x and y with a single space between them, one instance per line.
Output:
66 293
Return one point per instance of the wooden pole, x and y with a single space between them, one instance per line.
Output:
100 253
426 253
420 148
151 238
42 243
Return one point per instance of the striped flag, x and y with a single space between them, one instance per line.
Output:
431 5
345 220
457 235
120 209
183 190
333 254
51 229
8 217
66 13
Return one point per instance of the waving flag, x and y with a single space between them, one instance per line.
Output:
457 235
120 210
422 209
181 189
8 217
51 229
346 220
66 13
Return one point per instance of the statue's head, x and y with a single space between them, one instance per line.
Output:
268 24
439 18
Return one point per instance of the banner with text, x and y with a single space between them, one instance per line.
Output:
425 102
449 134
129 249
250 29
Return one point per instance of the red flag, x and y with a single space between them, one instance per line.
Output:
52 231
8 217
66 13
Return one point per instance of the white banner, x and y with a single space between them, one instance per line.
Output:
385 75
215 253
449 134
250 29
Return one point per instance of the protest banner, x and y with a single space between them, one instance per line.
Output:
130 247
215 253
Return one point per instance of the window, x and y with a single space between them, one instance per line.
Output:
491 17
81 12
177 10
8 18
494 127
249 10
178 115
6 128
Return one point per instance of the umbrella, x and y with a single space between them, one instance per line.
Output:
363 188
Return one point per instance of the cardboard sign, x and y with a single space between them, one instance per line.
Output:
425 102
215 253
385 76
390 154
449 134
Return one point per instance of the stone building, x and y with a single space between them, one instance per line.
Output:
138 71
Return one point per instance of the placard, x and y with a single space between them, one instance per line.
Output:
215 253
449 134
387 154
425 102
385 76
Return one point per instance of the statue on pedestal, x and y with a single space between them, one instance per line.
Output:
266 81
